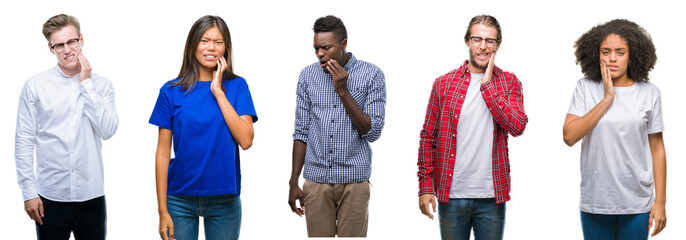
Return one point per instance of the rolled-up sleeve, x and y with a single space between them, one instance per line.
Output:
375 106
302 110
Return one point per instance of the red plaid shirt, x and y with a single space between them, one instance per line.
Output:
437 145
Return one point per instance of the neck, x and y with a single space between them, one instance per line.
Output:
622 81
70 72
204 74
345 59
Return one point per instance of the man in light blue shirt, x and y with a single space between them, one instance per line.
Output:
340 109
64 114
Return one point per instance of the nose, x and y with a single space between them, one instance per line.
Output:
320 53
482 44
613 57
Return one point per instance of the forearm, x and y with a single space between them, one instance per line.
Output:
507 111
299 149
161 173
241 127
100 110
360 120
162 158
657 149
575 128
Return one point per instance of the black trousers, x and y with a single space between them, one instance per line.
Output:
88 220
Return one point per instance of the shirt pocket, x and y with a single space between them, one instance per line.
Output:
358 90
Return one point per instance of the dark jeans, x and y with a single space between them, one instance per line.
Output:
459 216
611 227
86 219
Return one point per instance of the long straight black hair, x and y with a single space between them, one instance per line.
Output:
188 75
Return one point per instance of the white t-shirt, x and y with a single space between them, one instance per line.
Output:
616 161
473 173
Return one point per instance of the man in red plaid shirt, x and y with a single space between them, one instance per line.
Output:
466 165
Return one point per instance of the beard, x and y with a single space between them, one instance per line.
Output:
472 59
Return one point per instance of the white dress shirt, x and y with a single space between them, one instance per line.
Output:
64 120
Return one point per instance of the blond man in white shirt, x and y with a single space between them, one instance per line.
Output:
64 114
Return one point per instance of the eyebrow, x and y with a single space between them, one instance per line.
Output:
612 48
215 39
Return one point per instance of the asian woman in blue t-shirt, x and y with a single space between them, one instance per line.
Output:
208 112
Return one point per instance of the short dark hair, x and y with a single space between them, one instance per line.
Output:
642 57
57 22
487 20
330 23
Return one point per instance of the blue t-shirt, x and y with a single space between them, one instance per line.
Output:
206 155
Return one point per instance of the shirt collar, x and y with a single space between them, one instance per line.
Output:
64 75
351 62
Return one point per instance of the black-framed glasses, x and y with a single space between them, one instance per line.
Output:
489 41
72 43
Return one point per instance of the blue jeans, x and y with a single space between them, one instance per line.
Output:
458 216
221 214
609 227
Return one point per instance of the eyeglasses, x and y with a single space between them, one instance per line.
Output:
72 43
489 41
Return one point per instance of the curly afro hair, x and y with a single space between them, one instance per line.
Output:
330 23
642 55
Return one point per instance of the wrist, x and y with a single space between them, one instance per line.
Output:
342 92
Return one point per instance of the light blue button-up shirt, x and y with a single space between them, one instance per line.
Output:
336 152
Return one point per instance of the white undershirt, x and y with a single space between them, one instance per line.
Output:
473 174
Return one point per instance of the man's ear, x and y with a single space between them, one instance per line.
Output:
80 41
344 43
50 48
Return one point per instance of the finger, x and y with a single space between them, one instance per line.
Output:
433 202
427 211
659 226
163 235
301 210
330 67
40 210
37 217
337 65
602 70
171 232
84 61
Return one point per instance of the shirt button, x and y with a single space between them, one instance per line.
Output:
330 166
331 120
330 151
334 106
462 96
331 136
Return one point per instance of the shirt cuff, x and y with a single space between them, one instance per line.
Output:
29 193
87 86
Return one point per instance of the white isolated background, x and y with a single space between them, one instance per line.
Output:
139 46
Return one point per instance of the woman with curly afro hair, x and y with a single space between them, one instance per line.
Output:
618 114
